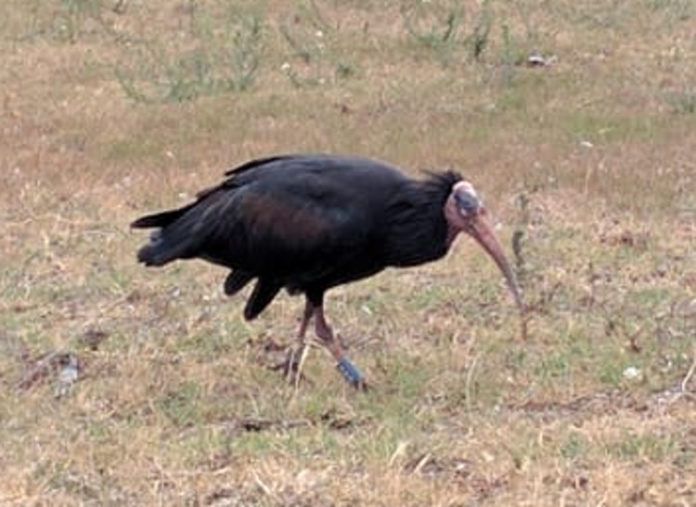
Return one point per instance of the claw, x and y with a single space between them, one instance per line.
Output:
291 367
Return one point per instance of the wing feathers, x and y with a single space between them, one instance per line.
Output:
236 281
291 221
263 293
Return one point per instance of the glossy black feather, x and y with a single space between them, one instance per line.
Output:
264 292
237 280
306 223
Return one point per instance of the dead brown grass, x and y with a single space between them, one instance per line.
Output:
590 157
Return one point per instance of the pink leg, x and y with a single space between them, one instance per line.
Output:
291 365
306 317
344 365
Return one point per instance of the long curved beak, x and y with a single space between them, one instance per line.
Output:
479 227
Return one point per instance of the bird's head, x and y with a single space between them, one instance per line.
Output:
465 212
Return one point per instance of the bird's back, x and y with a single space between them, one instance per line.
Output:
277 215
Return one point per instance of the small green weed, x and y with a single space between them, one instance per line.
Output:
437 27
574 446
220 58
683 101
70 17
315 57
647 446
181 406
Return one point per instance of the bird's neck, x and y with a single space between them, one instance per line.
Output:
417 231
452 233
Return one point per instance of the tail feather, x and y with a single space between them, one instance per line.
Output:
179 234
162 251
160 219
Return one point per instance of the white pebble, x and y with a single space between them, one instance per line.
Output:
632 373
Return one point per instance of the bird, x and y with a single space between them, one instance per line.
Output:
310 222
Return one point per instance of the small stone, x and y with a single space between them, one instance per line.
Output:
632 373
67 376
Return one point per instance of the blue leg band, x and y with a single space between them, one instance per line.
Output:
350 372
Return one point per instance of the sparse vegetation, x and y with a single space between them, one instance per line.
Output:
219 56
586 163
683 102
436 26
72 15
314 56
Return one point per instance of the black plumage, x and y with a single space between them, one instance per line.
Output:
308 223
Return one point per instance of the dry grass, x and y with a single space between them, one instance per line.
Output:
591 157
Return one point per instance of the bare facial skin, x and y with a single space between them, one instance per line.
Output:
465 212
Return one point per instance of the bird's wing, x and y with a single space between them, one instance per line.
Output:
283 226
279 216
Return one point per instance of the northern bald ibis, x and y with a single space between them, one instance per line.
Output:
307 223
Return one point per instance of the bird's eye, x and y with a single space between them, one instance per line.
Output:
466 202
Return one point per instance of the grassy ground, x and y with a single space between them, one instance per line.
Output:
115 108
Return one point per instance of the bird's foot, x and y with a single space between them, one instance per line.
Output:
291 367
351 373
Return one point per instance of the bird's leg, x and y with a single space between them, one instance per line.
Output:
292 365
296 354
344 365
306 317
